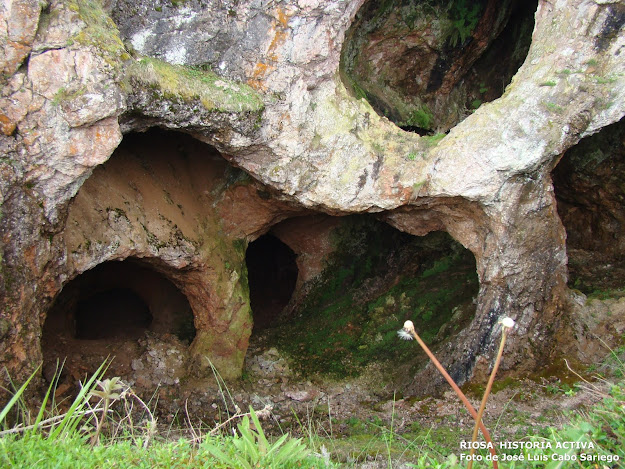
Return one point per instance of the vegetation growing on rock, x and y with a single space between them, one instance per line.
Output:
177 82
375 280
100 32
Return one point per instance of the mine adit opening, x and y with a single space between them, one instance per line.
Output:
590 195
369 278
272 276
428 65
119 301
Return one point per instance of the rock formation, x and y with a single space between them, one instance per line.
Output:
268 126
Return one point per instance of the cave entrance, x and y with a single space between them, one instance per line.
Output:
590 195
107 310
272 276
428 65
359 280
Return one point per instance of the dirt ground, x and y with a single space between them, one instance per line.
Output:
352 418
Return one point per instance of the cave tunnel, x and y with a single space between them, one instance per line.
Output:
427 65
112 313
369 278
272 276
590 195
105 310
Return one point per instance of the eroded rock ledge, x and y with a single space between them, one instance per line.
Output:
259 84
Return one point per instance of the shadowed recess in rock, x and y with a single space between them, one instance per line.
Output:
373 278
272 275
119 301
590 193
426 65
118 312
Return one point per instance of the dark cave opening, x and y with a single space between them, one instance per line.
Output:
117 301
360 280
428 65
118 312
272 276
590 195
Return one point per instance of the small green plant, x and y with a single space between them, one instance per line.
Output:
110 391
417 186
604 80
476 103
464 18
553 107
253 449
548 83
421 117
64 95
433 140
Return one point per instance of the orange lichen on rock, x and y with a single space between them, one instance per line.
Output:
279 31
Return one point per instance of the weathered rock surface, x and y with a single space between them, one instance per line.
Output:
71 89
427 65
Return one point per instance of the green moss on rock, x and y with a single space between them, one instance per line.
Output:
100 32
377 278
181 83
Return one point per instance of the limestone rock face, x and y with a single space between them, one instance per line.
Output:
261 85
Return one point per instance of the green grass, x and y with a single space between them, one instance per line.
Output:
432 140
600 428
88 435
436 447
72 452
603 426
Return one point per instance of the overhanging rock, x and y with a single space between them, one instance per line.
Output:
265 91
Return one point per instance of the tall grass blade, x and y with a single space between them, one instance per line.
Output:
70 421
42 408
17 396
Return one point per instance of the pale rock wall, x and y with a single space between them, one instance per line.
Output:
487 183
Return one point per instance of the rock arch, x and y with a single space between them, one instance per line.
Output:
278 110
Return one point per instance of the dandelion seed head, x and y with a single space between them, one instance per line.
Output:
404 335
408 326
508 323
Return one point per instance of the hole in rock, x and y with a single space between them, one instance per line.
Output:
426 65
104 311
360 279
118 312
272 275
590 194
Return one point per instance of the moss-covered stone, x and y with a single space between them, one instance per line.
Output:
100 32
177 82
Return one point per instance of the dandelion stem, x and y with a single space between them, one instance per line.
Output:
410 329
489 385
